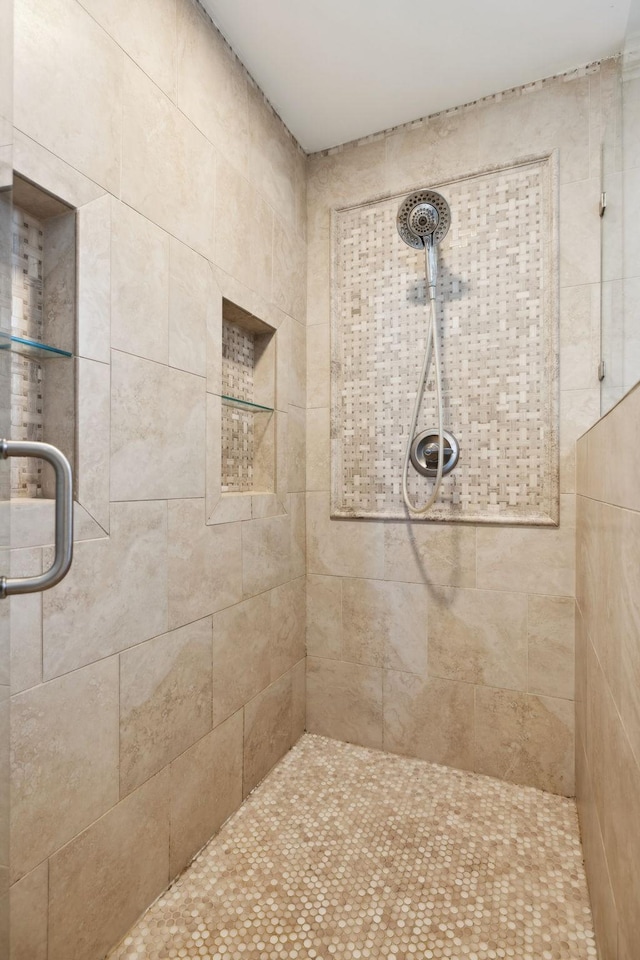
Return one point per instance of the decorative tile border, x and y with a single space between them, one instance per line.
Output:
497 319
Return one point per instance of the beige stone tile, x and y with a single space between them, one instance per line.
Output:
601 723
433 151
580 672
165 700
157 431
298 700
318 366
601 899
550 631
288 626
193 310
629 690
268 728
318 449
250 262
127 21
274 158
212 85
353 175
63 732
525 739
167 164
324 617
205 563
34 162
344 701
79 122
265 554
94 279
139 286
296 449
93 430
430 553
33 522
101 881
616 481
25 624
579 410
478 636
579 336
82 623
289 270
580 233
241 654
529 560
318 262
429 718
297 513
297 361
206 788
536 121
347 548
385 624
28 917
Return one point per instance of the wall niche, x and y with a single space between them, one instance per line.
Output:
248 442
43 326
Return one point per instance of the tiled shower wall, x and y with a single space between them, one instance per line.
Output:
157 684
608 673
454 642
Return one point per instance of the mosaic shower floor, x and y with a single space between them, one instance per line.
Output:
344 852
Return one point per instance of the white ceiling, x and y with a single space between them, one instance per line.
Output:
336 70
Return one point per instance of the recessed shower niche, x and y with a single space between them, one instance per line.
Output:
42 341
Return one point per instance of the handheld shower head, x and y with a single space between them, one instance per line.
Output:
421 215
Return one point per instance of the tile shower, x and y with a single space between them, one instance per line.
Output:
239 610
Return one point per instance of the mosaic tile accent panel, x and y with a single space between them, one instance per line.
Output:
238 441
27 376
351 853
497 322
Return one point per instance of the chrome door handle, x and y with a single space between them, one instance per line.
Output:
64 517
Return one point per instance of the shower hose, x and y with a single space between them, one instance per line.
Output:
432 349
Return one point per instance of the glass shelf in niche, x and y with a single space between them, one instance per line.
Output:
32 349
244 404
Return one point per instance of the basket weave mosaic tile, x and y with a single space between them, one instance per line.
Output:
497 318
238 347
354 853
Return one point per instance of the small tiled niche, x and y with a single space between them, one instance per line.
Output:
248 447
42 344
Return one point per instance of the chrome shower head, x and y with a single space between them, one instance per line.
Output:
422 215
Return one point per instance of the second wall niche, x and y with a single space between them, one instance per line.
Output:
248 397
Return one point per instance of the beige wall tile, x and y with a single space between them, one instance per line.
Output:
525 739
430 553
349 176
550 631
79 122
346 548
157 431
324 617
167 164
241 654
435 150
165 700
344 701
289 270
193 306
296 449
29 914
318 366
139 286
318 449
93 431
251 263
385 624
127 21
580 233
580 673
274 158
205 563
298 700
478 636
298 514
82 623
288 626
431 719
25 624
35 162
579 410
579 336
101 881
64 733
529 560
297 360
265 554
268 729
206 788
93 226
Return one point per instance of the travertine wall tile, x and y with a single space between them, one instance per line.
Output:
344 701
268 728
29 914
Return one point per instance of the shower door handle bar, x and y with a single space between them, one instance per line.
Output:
64 517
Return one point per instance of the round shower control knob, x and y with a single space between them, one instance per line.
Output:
425 448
